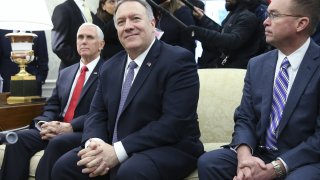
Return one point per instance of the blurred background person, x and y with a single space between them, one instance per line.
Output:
232 44
38 67
199 4
104 19
316 35
173 33
67 18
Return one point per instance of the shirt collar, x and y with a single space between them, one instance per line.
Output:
296 57
79 2
139 60
91 65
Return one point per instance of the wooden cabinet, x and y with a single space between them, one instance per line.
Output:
18 115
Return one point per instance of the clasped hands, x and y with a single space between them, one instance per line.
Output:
53 128
252 168
98 158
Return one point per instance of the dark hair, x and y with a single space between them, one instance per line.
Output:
142 2
103 15
308 8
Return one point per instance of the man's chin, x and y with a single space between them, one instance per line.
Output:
131 44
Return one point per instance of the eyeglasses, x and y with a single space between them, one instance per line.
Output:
274 15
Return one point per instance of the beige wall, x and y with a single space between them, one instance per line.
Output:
54 61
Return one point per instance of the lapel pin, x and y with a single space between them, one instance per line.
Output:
95 73
149 64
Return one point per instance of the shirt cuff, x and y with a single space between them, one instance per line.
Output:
120 151
284 164
235 148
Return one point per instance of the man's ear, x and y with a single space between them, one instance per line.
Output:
302 24
102 43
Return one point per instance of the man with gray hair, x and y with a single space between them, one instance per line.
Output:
142 122
59 128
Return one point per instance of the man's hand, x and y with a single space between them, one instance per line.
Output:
97 158
53 128
248 166
198 13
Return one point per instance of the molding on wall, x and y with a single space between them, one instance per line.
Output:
48 87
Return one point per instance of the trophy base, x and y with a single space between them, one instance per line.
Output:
21 99
23 86
23 89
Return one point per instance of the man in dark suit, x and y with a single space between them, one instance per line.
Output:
67 18
233 43
148 130
58 134
38 67
277 125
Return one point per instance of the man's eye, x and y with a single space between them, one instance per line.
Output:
120 23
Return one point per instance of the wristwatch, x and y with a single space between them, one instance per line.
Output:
278 169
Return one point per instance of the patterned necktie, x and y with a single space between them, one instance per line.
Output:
75 95
278 103
124 93
87 12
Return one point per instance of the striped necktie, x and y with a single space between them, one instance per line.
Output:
124 94
279 100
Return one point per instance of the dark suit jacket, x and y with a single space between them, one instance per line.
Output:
160 109
66 19
53 110
175 34
237 38
299 129
38 67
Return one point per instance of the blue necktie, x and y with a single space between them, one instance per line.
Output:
124 93
279 100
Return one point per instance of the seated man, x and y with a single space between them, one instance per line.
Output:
277 125
148 130
64 114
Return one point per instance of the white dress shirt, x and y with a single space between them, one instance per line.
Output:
90 67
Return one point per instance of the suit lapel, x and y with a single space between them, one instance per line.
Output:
306 70
117 76
91 79
75 10
268 77
69 81
143 73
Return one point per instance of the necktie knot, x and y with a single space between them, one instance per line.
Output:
285 63
84 69
132 65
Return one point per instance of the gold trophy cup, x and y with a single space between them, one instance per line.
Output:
23 86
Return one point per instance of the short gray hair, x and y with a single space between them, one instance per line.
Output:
98 30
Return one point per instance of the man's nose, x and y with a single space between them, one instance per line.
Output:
128 25
266 21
